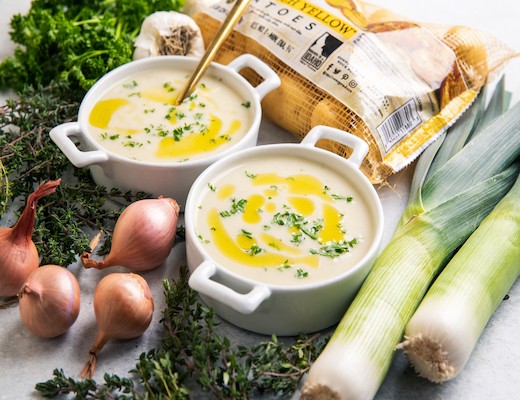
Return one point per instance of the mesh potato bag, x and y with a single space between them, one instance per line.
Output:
396 83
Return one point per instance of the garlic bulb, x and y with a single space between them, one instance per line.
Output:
168 33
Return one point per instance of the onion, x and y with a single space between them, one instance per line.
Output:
49 301
18 253
143 236
123 305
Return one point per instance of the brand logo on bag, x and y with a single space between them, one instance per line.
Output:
320 50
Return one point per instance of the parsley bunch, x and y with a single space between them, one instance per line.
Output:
74 41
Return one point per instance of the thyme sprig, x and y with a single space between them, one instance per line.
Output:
29 157
193 352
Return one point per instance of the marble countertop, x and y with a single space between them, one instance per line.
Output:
491 373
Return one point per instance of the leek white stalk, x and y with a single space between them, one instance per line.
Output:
445 329
447 207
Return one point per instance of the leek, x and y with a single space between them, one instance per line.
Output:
449 202
445 329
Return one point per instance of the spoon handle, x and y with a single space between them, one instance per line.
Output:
227 26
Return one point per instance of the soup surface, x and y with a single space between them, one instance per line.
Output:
284 220
137 118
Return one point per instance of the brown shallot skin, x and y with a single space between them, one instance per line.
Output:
49 301
123 306
143 236
18 253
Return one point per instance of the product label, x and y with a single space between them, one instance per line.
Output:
385 77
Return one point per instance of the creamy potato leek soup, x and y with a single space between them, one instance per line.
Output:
284 220
137 118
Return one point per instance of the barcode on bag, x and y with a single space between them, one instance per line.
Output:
398 124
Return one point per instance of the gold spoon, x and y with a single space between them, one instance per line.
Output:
232 18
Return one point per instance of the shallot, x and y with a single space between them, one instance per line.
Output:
18 253
143 236
123 305
49 301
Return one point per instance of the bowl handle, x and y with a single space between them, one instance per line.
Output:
243 303
61 136
358 145
271 79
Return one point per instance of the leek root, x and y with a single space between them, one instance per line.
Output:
444 330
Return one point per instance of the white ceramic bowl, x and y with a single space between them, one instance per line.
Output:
167 179
283 309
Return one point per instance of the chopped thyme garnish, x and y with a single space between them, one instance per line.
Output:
296 238
132 144
212 187
236 206
130 85
335 249
168 86
284 266
247 234
246 104
291 219
202 240
254 250
274 245
348 199
177 134
300 273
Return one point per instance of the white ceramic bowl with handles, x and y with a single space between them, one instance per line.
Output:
282 309
172 179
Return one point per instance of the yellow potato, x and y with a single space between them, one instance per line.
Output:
290 105
471 54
